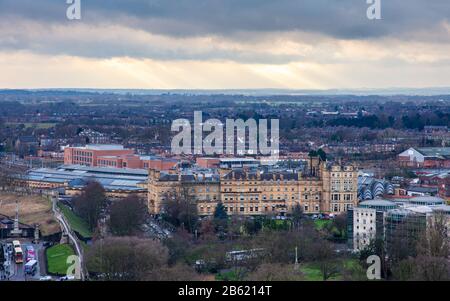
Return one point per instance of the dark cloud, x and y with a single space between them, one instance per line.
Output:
234 20
337 18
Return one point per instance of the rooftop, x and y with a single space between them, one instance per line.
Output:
101 147
76 175
377 204
434 151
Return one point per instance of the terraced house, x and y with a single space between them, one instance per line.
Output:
321 187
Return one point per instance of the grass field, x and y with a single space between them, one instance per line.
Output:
32 210
312 272
321 223
57 259
76 222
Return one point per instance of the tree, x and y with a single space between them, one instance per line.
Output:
127 215
405 270
375 247
207 230
125 258
432 261
219 212
178 245
180 209
321 153
340 225
90 203
297 216
326 259
434 241
220 218
178 272
431 268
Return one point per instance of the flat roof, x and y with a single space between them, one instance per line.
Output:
78 176
434 151
237 160
377 202
101 147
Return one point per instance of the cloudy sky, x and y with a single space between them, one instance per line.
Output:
220 44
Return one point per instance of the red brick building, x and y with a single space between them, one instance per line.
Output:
88 155
114 156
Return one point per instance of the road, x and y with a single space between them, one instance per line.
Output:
15 272
68 231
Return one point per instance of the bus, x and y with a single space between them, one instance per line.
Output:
30 267
242 255
18 253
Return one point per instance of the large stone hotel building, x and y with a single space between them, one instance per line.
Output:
322 187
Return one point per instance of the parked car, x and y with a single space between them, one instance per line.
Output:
48 244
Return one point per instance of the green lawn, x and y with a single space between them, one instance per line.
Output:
313 273
76 222
321 223
227 276
57 259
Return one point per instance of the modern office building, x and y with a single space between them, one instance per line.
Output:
393 220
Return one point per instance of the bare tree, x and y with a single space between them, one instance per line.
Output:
178 272
127 215
90 203
326 259
125 258
180 209
435 241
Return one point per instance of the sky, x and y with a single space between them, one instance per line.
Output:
224 44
